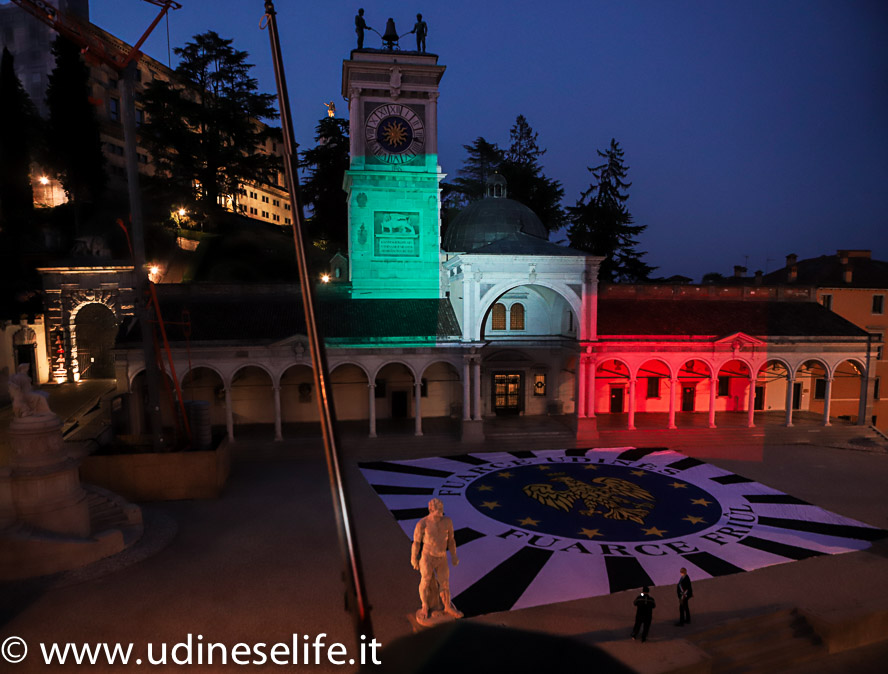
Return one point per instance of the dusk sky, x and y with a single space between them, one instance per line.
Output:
752 129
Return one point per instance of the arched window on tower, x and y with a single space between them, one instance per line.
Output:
498 317
516 317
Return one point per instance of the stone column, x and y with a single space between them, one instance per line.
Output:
229 414
864 395
417 405
673 385
713 388
467 391
371 388
590 397
789 383
278 436
750 403
476 366
827 393
631 425
581 388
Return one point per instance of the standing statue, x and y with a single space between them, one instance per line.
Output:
25 402
421 28
360 27
432 538
331 109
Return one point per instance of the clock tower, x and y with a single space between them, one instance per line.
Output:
392 182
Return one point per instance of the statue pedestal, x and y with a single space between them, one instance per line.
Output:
587 429
437 617
472 431
44 482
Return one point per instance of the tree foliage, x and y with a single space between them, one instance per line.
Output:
520 166
483 159
526 181
18 130
203 128
322 192
602 225
74 145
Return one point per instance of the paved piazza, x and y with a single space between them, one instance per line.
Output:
540 527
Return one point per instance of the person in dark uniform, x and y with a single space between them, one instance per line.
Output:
685 592
644 613
360 27
421 28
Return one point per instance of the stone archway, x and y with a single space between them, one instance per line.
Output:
441 392
24 344
773 388
299 403
252 400
848 393
535 309
92 341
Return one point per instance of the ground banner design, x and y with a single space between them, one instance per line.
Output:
539 527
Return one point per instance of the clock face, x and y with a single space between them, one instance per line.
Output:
394 134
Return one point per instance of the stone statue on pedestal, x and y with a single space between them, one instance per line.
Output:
432 538
25 402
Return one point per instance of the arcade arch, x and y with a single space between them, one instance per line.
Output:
205 384
252 398
536 310
298 396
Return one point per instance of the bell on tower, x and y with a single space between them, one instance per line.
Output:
496 186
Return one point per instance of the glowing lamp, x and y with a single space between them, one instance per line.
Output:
44 180
181 212
325 278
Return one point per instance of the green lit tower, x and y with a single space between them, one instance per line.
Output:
392 183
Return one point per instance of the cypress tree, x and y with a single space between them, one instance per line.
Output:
602 225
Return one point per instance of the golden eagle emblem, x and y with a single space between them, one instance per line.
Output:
614 498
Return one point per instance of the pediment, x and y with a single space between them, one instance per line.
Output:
739 340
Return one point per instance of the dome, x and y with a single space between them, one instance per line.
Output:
488 220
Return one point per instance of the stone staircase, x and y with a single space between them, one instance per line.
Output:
768 643
109 511
845 436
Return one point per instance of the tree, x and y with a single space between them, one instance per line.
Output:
483 160
322 191
713 277
74 145
602 225
18 126
203 129
525 179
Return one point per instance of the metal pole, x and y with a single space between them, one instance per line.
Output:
128 113
356 592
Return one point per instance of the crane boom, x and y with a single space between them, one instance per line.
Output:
83 34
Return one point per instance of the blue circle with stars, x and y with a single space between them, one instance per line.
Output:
601 502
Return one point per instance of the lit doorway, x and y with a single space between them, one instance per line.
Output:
507 393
